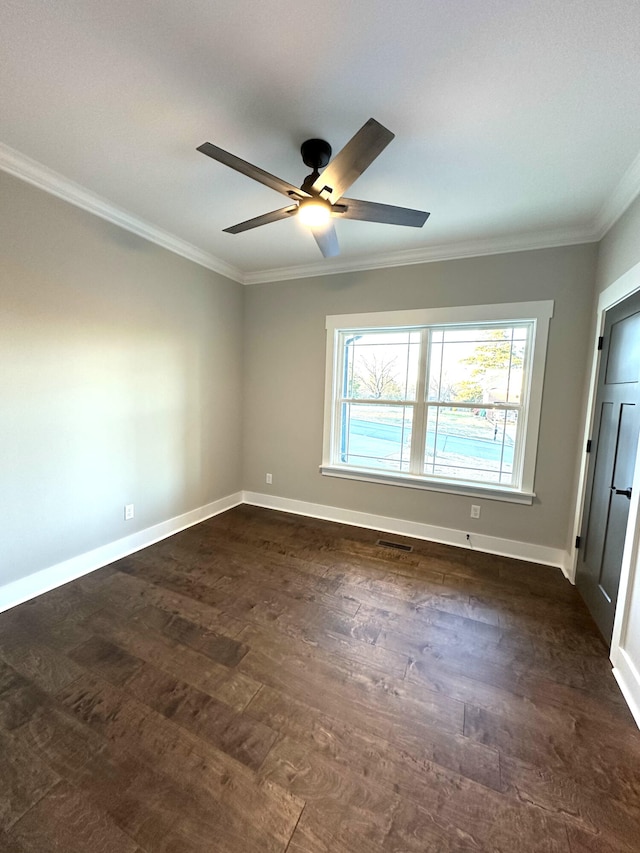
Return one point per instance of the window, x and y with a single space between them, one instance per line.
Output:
444 399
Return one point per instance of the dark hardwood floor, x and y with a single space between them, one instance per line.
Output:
265 682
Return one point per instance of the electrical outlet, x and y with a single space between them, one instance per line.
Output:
475 511
128 512
269 479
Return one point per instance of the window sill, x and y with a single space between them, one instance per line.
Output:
388 478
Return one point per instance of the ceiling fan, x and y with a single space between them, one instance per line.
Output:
320 198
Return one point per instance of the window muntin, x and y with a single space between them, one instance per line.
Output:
381 365
376 436
457 449
445 403
476 395
379 374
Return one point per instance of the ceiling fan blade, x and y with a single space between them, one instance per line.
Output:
327 240
361 150
370 211
251 171
265 219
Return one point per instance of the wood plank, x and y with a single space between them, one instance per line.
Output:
457 823
327 826
20 699
455 603
243 737
581 841
221 649
313 778
65 821
40 622
379 700
157 812
44 666
587 808
267 682
59 740
409 754
327 645
9 844
110 661
545 745
23 781
140 640
142 592
207 778
240 586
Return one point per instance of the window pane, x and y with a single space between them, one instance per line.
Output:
381 365
516 375
471 444
375 436
470 334
477 365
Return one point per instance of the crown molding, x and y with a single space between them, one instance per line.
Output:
430 254
20 166
23 167
624 194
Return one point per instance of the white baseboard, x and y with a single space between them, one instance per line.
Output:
568 567
628 680
21 590
445 535
29 587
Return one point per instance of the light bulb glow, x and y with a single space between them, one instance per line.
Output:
314 212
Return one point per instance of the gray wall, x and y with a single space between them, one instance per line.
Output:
284 383
121 376
619 249
120 382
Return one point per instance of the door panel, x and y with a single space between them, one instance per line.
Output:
627 444
614 545
612 461
624 351
603 454
619 507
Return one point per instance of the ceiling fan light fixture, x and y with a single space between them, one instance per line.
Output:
321 195
314 212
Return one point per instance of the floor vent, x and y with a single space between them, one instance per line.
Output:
398 546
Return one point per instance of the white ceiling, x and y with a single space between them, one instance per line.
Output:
517 123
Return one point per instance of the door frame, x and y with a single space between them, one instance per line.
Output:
624 670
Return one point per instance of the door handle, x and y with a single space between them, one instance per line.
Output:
626 492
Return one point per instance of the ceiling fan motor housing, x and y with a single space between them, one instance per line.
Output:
316 153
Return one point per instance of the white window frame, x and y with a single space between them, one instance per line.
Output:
537 313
